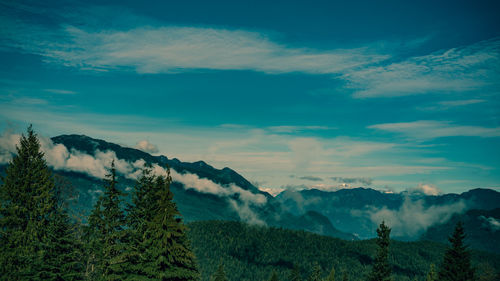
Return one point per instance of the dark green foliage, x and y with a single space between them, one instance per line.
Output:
295 274
316 273
432 275
159 247
457 262
253 252
36 238
345 276
106 236
274 276
331 276
220 274
62 251
381 270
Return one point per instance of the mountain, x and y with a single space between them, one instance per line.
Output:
253 252
360 210
193 204
482 228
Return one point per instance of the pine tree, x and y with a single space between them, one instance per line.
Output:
345 276
432 275
381 270
273 276
160 247
456 262
106 235
316 273
295 274
220 274
331 276
35 233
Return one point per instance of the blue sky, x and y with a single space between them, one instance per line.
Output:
291 94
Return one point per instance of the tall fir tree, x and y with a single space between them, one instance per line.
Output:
160 247
274 276
381 270
316 273
106 234
220 274
345 276
432 275
36 237
331 276
456 261
295 274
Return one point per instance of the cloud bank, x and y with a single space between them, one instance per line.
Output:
413 217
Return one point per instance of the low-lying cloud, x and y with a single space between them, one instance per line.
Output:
413 217
491 223
98 164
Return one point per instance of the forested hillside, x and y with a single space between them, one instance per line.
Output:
253 252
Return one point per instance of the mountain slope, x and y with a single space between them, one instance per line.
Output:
253 252
196 205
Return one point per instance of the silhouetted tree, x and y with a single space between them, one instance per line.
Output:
456 261
381 270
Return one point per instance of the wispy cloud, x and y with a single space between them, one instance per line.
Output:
429 129
166 49
60 91
461 69
348 180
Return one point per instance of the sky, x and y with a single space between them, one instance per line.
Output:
392 95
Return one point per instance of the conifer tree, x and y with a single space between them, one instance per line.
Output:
381 270
316 273
162 249
36 240
331 276
220 274
456 262
295 274
106 234
274 276
432 275
345 276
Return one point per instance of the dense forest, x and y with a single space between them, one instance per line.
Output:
145 238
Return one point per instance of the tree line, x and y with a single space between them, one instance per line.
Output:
144 239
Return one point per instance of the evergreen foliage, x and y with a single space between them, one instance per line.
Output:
432 275
36 237
331 276
295 274
316 273
161 250
381 270
274 276
107 235
456 261
345 276
220 274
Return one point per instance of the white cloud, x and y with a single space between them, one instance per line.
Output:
146 146
491 222
427 189
97 165
429 129
413 217
454 103
60 91
468 68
